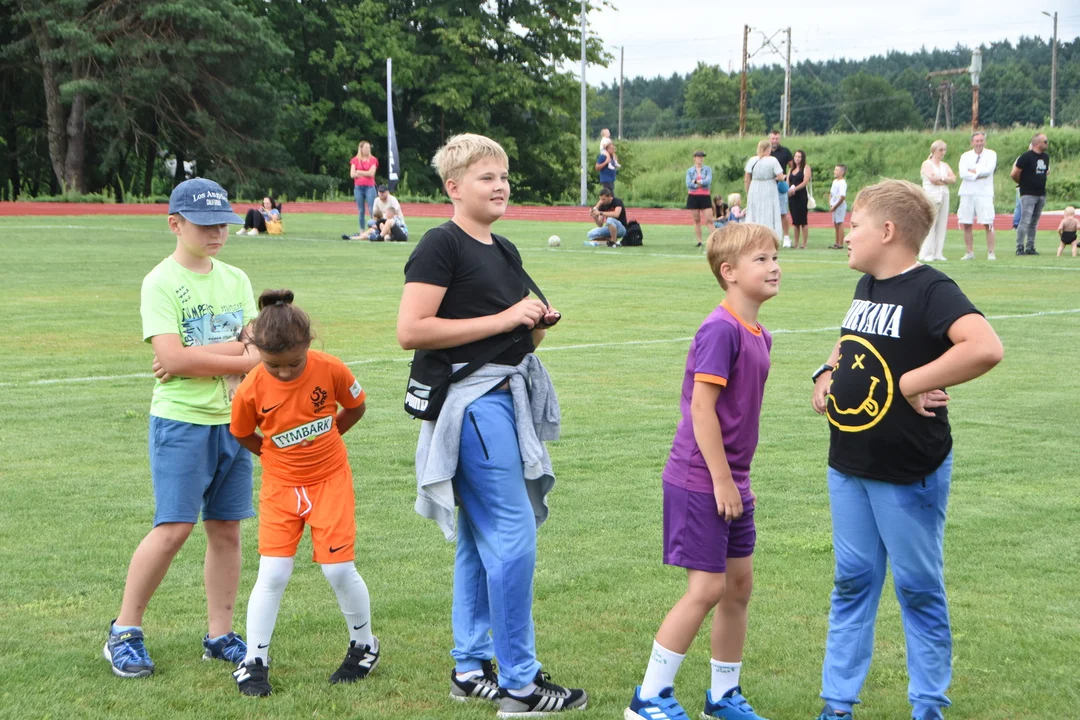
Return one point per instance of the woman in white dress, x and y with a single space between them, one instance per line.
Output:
762 201
937 176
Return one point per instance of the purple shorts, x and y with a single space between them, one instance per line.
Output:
697 538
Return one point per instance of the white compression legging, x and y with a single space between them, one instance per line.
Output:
265 601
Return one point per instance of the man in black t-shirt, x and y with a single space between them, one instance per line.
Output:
908 335
1030 173
609 214
784 157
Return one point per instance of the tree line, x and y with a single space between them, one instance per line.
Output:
884 92
115 98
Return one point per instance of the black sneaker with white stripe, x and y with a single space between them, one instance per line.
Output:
253 678
547 699
358 662
481 687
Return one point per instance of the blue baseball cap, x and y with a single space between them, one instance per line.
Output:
203 202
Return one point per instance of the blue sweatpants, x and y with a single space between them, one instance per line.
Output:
496 546
877 523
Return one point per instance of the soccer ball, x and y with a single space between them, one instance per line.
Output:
554 241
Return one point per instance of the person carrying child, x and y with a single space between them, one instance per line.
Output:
909 334
194 308
1067 230
292 397
466 295
709 507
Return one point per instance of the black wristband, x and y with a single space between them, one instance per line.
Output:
821 371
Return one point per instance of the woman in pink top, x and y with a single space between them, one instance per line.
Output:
362 170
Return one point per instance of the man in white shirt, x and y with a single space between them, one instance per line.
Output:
976 173
383 201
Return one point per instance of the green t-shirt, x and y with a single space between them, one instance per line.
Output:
202 310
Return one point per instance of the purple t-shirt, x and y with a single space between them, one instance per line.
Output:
728 353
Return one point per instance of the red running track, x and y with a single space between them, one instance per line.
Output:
646 216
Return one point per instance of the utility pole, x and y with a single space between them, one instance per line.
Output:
1053 71
787 88
742 83
584 178
621 51
976 68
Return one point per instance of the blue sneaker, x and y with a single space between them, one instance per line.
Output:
827 713
231 648
662 707
127 654
732 706
933 714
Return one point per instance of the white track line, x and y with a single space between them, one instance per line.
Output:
546 348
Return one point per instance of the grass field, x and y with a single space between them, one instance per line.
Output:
77 496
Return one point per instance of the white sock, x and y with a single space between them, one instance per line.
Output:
660 672
725 676
353 599
523 692
262 610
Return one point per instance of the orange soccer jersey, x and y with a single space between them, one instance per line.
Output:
300 444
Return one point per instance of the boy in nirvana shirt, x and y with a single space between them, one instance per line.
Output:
909 334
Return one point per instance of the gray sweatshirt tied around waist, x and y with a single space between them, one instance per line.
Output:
536 411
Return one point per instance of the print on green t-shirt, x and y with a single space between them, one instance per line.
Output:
202 310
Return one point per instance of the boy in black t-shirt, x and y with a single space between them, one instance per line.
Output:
609 214
465 294
909 334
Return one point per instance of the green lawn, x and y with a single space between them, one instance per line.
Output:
77 496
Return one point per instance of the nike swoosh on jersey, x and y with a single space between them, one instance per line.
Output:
266 410
335 549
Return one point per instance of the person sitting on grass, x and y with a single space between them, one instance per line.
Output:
256 218
609 214
391 228
735 212
720 212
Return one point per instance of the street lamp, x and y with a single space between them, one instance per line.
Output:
1053 69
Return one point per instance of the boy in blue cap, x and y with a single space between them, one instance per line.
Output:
194 309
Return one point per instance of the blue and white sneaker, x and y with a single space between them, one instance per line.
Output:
732 706
827 713
231 648
932 714
662 707
127 654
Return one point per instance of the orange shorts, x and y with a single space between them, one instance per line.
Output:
329 507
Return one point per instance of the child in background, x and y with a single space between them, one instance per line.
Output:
708 505
838 204
736 214
720 212
293 398
1067 230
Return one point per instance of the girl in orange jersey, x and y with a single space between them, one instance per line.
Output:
293 399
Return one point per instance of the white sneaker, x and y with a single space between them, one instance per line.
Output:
968 256
991 256
242 231
787 241
941 258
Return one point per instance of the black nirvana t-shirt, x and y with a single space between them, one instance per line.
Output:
893 326
1033 168
480 280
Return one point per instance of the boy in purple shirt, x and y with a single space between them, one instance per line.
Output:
708 504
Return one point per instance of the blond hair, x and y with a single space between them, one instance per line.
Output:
729 243
455 157
734 199
936 145
762 146
902 203
360 148
1070 211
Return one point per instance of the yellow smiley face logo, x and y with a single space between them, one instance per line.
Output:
861 391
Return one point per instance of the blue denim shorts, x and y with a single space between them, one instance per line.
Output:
198 467
783 196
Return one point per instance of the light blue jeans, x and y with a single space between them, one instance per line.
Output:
496 546
1031 207
876 524
365 200
602 232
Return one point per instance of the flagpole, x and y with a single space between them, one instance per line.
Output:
392 158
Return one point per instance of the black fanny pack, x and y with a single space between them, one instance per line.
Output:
431 373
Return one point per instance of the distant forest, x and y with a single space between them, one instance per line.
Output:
889 92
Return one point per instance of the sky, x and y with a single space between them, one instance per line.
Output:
662 37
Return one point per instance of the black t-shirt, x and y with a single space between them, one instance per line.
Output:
893 326
1033 167
480 280
783 156
616 203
